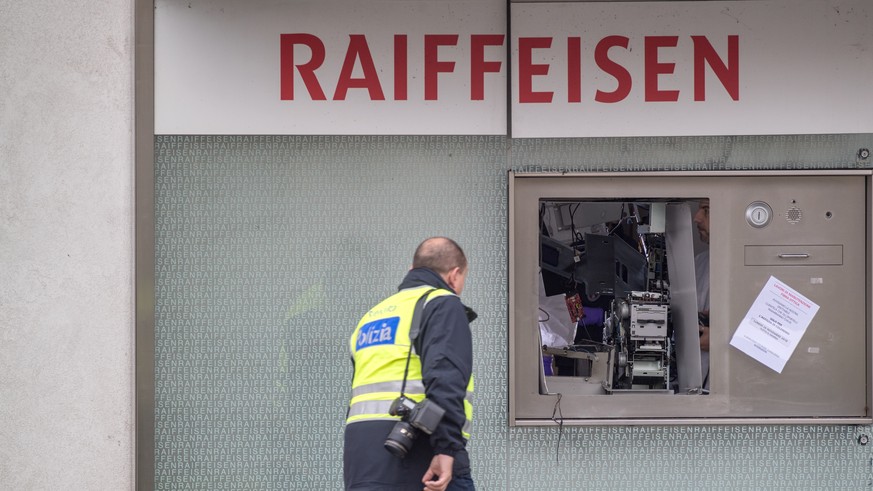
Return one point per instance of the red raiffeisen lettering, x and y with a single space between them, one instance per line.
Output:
704 55
358 55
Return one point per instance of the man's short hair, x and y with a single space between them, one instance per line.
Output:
440 254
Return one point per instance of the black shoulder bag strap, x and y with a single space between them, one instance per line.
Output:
414 331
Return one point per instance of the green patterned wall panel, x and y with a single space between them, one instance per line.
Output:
269 248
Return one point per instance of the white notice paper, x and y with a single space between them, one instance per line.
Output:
774 324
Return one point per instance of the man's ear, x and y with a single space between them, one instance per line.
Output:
452 277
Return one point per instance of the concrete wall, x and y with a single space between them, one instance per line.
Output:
66 245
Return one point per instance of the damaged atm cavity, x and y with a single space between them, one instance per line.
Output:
615 264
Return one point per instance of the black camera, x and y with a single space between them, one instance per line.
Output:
424 416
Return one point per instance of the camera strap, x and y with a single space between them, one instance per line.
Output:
414 331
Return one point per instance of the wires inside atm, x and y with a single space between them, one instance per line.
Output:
558 417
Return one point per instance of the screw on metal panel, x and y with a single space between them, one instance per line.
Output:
863 439
864 153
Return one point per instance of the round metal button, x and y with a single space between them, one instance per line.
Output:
758 214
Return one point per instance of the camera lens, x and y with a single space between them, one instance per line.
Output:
400 439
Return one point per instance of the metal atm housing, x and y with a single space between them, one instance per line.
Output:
809 229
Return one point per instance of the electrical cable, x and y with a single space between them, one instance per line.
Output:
560 420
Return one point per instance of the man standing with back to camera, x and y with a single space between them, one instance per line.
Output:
701 270
430 362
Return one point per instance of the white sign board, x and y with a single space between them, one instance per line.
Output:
578 68
600 69
330 67
774 324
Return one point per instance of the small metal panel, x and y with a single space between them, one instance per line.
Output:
826 374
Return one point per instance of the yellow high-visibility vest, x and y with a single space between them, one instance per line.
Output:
380 345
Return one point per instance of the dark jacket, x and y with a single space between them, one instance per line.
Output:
446 349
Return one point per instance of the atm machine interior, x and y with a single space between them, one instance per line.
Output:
609 260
